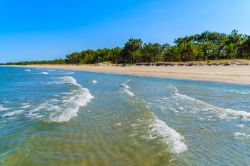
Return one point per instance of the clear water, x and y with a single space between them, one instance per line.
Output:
66 118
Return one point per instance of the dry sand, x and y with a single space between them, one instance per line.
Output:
232 74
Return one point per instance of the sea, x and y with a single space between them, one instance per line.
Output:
54 117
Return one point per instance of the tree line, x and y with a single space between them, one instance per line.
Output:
198 47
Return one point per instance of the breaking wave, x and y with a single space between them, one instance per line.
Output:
44 73
241 136
172 138
25 105
241 125
66 105
125 89
223 113
70 73
2 108
242 92
28 70
12 113
94 82
159 129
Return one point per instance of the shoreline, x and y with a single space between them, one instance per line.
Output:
229 74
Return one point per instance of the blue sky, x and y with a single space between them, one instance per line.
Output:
49 29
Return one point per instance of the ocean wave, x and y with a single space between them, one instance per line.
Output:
44 73
2 108
242 92
65 80
28 70
241 125
25 105
66 105
223 113
13 113
128 92
70 73
125 89
241 136
158 129
125 85
94 82
172 138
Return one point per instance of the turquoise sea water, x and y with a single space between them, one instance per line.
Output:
67 118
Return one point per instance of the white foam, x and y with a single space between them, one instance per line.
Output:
129 92
243 92
70 73
125 89
172 138
223 113
44 73
229 113
28 70
25 105
241 125
69 80
118 124
159 129
13 113
125 86
94 81
66 105
65 80
238 135
2 108
72 105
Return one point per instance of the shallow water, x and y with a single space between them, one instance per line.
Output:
65 118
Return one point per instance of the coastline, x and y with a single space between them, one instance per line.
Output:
229 74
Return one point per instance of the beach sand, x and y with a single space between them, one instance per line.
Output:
231 73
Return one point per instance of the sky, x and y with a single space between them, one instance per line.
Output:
49 29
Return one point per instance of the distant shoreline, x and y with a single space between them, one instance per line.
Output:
230 74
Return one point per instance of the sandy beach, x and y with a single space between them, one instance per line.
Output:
231 74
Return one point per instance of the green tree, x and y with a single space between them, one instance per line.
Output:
232 44
245 48
172 54
190 51
88 57
205 46
131 52
152 52
103 55
116 55
73 58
